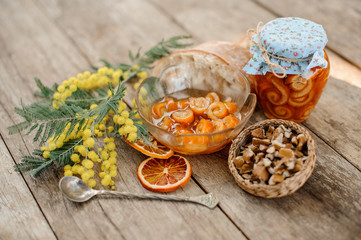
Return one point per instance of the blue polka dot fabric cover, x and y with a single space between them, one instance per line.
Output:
289 37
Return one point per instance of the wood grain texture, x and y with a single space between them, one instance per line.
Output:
167 220
294 224
21 217
327 206
99 218
335 120
111 28
57 39
214 20
341 20
343 70
65 218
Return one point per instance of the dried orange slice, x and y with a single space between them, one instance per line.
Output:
183 116
217 110
159 109
172 106
199 105
302 101
304 91
279 94
232 107
218 125
213 97
182 104
155 149
230 121
204 126
164 175
166 123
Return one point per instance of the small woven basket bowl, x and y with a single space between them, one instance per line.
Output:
289 185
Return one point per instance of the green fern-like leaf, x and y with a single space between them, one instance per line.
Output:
18 127
84 98
35 164
62 155
38 132
159 51
46 120
122 66
74 114
32 165
45 92
110 103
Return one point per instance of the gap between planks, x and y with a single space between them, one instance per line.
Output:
222 210
129 105
197 40
179 24
327 143
26 183
82 53
169 16
41 9
89 62
109 219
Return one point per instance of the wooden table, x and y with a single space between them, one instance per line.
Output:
54 40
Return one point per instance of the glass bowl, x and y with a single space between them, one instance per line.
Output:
176 80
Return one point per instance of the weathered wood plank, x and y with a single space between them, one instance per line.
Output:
247 14
257 216
99 218
23 43
327 206
154 220
112 28
278 215
65 218
247 211
214 20
344 71
341 20
336 119
21 217
69 220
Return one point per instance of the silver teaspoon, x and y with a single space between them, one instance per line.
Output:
77 190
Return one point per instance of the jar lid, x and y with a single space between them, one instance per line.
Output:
295 44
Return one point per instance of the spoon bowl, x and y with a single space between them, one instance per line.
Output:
76 189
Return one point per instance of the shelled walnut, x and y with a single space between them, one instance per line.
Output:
271 155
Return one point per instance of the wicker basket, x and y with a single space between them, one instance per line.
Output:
289 185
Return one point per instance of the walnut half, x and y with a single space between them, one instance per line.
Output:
271 155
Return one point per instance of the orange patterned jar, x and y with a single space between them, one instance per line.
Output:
293 97
289 67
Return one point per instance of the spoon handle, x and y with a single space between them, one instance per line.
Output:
208 200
